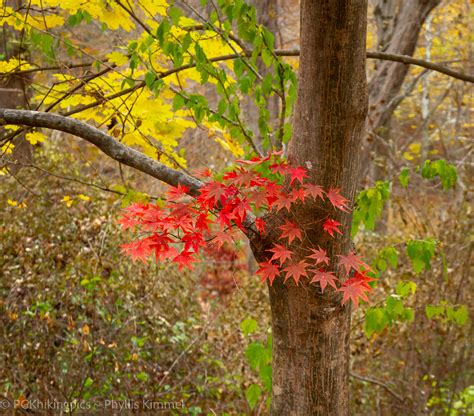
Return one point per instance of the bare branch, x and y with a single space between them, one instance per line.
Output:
408 60
404 59
104 142
378 383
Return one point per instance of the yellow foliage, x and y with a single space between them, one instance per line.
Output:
13 64
7 149
68 201
35 137
143 119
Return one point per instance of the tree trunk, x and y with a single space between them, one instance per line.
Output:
311 329
405 26
13 91
398 28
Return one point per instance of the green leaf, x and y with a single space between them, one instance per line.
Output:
142 376
434 310
440 168
178 102
269 38
395 305
252 394
458 315
162 31
266 377
375 321
267 57
461 315
255 354
175 13
369 205
403 289
420 253
88 382
408 315
248 326
404 177
150 79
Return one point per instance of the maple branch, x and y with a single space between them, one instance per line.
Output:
104 142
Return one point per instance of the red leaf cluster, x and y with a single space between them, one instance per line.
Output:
178 230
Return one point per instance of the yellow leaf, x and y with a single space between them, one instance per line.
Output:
68 201
12 202
86 329
35 137
84 197
408 156
415 148
117 58
7 149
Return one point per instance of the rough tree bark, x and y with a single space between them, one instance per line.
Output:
13 89
310 329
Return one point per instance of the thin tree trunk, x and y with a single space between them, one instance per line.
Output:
310 329
398 28
13 90
405 24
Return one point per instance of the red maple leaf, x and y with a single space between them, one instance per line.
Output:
243 177
281 168
238 210
268 270
203 173
222 237
337 200
177 192
202 222
324 278
352 261
138 250
260 225
315 191
296 194
356 288
297 174
320 255
280 252
185 259
272 191
193 240
257 197
127 221
330 226
290 231
296 270
283 201
213 193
